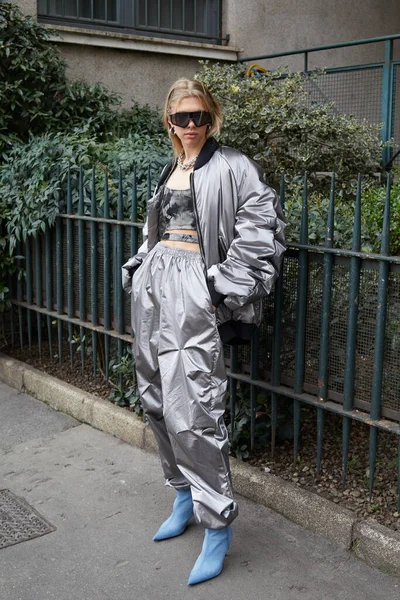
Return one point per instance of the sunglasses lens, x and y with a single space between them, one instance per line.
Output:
203 119
182 119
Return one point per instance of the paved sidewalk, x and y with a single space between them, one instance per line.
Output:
106 500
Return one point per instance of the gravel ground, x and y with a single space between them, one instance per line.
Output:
71 373
354 495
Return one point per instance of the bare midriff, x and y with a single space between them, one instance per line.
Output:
182 245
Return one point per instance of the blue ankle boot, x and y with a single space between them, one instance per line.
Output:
182 512
210 562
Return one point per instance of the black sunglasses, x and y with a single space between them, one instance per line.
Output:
199 118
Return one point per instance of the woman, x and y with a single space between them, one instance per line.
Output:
213 250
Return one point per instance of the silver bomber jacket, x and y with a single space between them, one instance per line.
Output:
241 236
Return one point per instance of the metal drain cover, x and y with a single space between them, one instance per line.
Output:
19 522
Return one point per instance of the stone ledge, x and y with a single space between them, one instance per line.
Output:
141 43
12 372
301 506
377 545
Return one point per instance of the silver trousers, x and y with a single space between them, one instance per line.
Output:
182 380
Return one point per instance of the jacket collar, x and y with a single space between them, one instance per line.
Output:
210 146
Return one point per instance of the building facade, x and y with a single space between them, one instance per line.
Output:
138 47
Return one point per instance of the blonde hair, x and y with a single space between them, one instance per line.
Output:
186 88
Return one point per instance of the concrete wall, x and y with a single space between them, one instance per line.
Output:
28 7
271 26
140 76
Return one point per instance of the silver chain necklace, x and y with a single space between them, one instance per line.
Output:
188 165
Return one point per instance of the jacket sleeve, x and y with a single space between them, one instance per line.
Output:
255 255
134 262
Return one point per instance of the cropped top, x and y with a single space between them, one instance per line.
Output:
176 212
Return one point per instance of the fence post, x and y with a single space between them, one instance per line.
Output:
305 68
70 267
106 275
277 337
351 338
301 311
94 267
380 330
82 268
387 99
325 323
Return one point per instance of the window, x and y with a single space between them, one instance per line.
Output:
195 20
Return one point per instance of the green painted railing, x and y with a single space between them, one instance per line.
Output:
324 342
376 84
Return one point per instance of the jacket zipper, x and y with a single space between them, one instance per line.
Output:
198 224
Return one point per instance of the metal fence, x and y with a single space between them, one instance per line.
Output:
331 332
368 91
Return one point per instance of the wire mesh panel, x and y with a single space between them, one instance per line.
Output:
364 81
338 329
354 92
368 300
265 344
391 374
313 323
266 336
290 272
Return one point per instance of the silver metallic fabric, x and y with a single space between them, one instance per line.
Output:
178 350
181 378
240 227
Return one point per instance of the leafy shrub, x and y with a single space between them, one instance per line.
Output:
140 120
269 119
48 124
123 379
240 437
34 175
36 97
372 210
7 267
30 75
373 201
